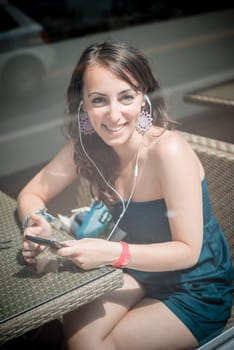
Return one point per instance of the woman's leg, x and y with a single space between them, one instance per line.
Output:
150 325
123 320
87 327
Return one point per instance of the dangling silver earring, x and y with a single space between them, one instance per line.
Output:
84 123
145 119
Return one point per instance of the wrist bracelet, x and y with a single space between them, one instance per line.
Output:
125 256
42 212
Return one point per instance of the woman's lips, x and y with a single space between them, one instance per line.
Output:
114 128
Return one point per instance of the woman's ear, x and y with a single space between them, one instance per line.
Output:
143 101
84 108
82 105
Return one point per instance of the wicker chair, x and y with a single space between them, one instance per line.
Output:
218 160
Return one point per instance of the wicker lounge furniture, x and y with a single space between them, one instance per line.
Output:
29 300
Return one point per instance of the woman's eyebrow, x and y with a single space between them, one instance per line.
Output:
120 93
96 93
131 91
127 90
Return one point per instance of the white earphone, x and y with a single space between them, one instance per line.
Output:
135 173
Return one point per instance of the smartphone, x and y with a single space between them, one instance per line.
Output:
52 243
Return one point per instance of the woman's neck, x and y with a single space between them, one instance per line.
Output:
127 153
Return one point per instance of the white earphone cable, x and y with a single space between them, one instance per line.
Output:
92 161
124 206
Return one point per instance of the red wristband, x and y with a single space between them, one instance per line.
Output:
124 257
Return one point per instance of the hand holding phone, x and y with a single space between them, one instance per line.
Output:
52 243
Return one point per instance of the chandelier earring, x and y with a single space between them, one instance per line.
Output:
84 122
145 119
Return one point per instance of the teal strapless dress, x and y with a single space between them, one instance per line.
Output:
200 296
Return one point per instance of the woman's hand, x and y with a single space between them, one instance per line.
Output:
91 253
38 227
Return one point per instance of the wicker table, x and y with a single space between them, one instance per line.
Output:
220 95
30 299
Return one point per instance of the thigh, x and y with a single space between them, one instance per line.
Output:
150 325
91 323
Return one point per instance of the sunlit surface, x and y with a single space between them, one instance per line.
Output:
185 53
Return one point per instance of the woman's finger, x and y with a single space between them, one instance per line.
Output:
29 260
70 248
34 231
38 219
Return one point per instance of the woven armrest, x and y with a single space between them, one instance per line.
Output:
218 160
29 299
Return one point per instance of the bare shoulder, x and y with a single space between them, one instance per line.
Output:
67 151
169 150
169 143
63 161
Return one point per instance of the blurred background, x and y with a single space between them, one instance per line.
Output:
189 46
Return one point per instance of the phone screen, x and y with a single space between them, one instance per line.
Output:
52 243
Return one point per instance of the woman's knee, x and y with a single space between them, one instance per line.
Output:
101 315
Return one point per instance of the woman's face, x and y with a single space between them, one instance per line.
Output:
112 105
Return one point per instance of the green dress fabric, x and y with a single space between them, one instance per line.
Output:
200 296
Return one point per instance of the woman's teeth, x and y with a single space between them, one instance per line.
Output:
114 129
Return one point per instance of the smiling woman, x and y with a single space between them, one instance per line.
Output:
176 260
115 105
110 104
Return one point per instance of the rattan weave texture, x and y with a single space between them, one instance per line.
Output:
217 158
29 299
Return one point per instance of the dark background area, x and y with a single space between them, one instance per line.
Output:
65 19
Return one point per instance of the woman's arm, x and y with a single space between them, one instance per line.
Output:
180 174
51 180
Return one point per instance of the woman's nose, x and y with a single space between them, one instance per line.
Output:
114 111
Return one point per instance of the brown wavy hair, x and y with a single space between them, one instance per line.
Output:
129 64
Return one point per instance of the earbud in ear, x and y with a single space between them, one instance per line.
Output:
147 99
79 108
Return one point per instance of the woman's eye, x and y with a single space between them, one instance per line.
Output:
98 100
128 98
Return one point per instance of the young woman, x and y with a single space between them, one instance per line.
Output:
177 268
